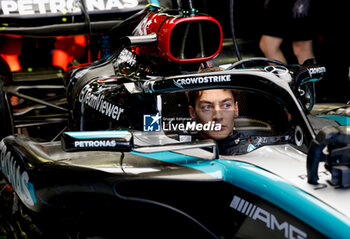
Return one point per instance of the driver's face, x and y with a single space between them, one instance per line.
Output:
215 105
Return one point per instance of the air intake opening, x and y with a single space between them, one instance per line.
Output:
195 39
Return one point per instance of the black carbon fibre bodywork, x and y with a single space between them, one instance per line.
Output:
119 196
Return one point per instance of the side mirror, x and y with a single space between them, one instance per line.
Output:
115 140
302 87
332 146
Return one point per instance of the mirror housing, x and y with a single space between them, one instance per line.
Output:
180 39
190 39
332 146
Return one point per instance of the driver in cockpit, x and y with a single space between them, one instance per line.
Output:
219 106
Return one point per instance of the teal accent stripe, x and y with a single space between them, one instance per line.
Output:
268 186
98 134
310 80
341 119
288 197
209 167
31 191
154 2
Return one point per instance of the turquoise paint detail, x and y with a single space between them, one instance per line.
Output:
288 197
154 2
98 134
341 119
313 80
310 80
250 148
210 167
269 187
31 191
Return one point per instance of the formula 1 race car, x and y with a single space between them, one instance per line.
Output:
130 163
39 40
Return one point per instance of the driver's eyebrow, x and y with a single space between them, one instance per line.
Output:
227 99
205 102
210 102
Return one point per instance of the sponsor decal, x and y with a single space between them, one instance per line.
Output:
125 56
201 80
269 219
30 7
185 138
141 29
98 103
17 178
298 136
325 176
317 70
95 144
278 70
81 73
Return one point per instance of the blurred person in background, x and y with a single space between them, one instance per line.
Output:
287 20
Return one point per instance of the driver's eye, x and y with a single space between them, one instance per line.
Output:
226 106
206 107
